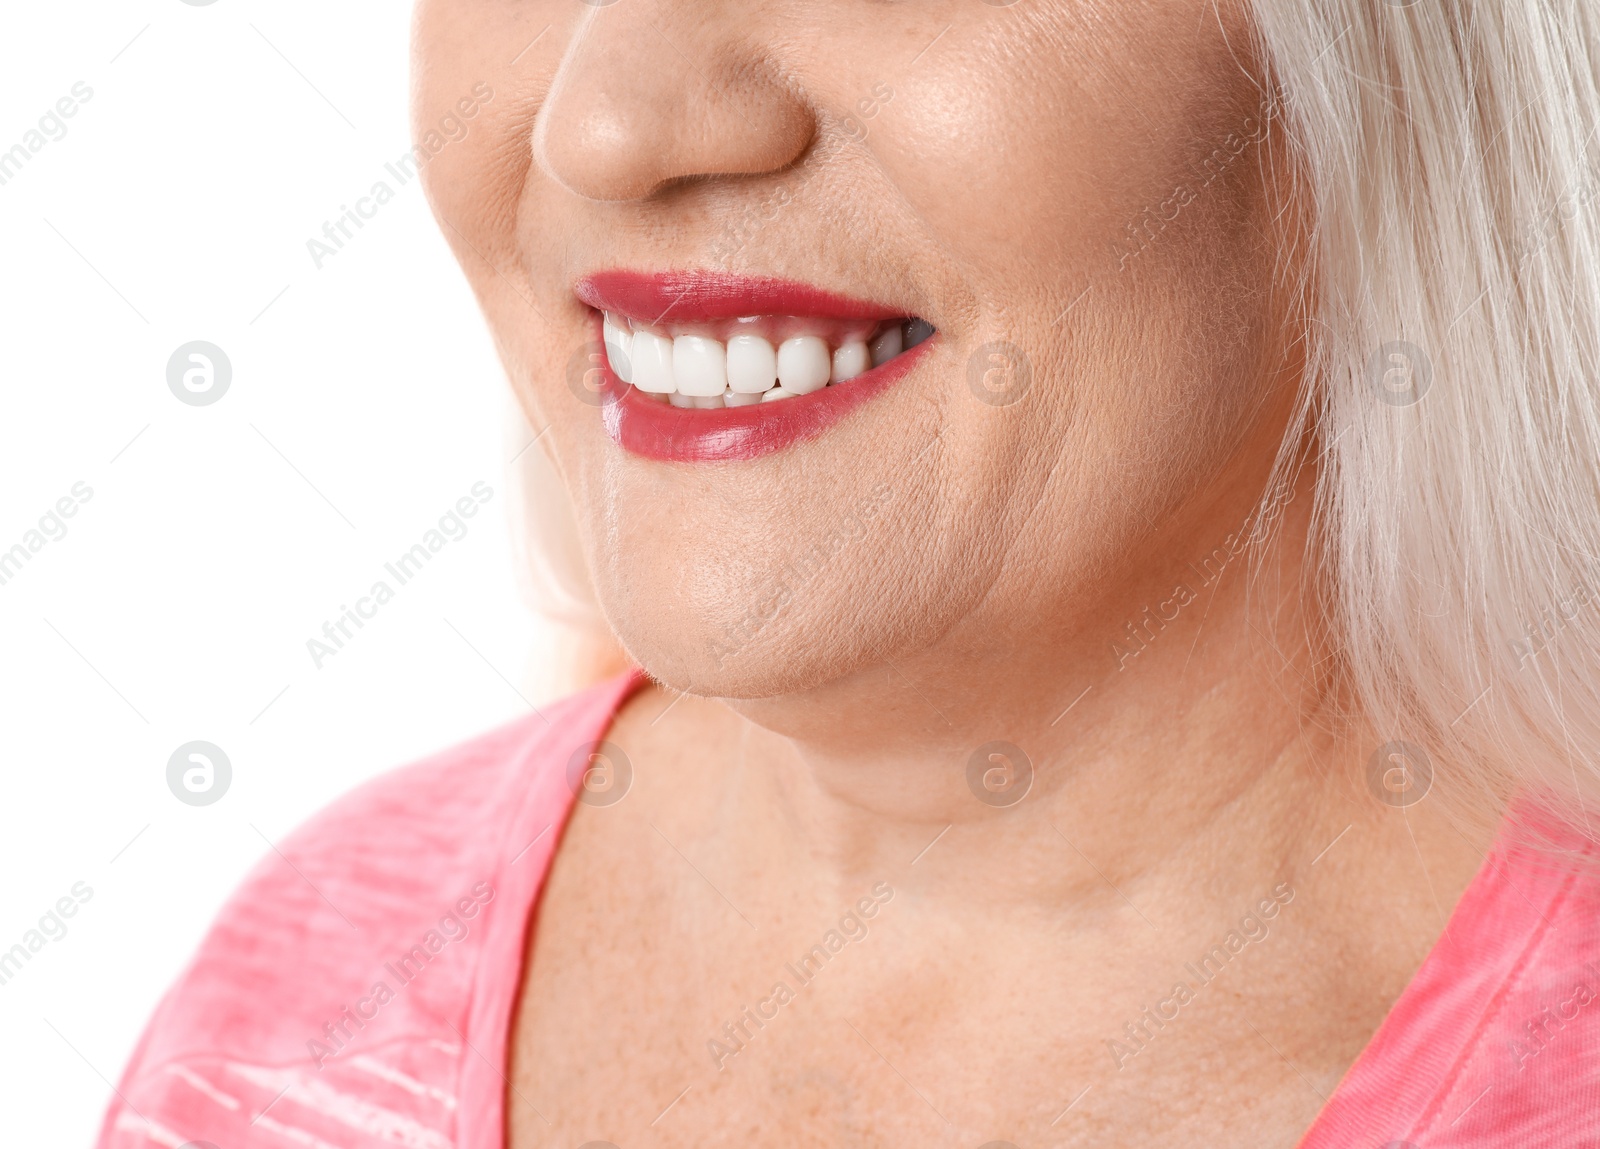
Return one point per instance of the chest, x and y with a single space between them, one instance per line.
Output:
658 1014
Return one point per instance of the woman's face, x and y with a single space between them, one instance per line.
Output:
1074 194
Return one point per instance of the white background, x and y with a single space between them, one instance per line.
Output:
365 400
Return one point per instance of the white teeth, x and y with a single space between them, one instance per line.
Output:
803 364
652 363
619 350
699 366
887 345
752 364
850 360
699 371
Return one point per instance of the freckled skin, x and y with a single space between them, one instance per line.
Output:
1099 187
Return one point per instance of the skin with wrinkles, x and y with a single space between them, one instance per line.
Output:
1100 186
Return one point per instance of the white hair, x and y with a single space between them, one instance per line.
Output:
1444 147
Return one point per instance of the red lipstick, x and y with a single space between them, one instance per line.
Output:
694 296
656 430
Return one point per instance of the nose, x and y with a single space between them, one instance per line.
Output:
640 102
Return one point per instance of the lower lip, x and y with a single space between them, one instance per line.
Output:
657 430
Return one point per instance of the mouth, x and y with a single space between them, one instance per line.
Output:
703 367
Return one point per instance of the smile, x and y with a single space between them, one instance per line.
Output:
702 367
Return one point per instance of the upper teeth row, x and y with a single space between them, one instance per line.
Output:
701 371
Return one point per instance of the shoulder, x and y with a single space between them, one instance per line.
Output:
339 976
1493 1042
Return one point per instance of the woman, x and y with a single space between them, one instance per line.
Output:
1104 496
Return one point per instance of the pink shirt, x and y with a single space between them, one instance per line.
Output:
357 992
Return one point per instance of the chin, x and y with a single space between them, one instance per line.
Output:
777 638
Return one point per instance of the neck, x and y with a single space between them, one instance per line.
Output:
1068 768
1178 797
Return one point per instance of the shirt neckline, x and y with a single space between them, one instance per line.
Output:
528 849
1403 1084
1393 1090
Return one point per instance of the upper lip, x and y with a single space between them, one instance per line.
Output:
690 296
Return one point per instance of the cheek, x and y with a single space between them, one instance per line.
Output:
1144 369
474 183
1031 148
